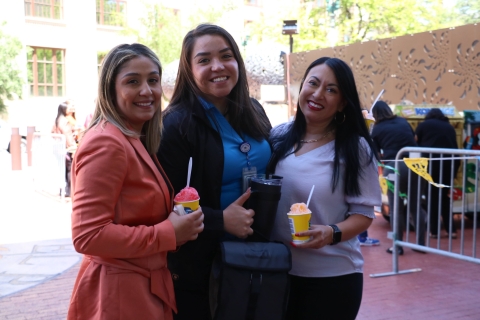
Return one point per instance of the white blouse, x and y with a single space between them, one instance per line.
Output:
316 168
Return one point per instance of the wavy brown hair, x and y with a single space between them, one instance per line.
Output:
106 105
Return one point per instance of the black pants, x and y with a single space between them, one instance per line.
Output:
325 298
192 305
441 194
68 174
413 199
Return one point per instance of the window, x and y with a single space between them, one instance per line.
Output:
46 72
50 9
111 12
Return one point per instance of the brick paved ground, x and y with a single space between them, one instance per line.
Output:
445 288
46 301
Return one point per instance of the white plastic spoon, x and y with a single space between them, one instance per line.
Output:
189 171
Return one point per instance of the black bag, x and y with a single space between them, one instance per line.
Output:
249 281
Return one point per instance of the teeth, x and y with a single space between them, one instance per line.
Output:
144 104
313 104
219 79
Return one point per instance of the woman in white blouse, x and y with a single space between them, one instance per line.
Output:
327 145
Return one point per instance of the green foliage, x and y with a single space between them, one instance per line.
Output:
340 22
335 22
363 20
163 30
10 76
268 28
467 11
160 31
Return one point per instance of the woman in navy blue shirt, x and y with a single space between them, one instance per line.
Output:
437 132
390 134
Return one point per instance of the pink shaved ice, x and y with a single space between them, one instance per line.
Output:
187 194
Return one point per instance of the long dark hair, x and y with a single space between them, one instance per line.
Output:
243 116
348 131
381 111
62 111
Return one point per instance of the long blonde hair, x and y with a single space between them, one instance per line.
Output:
106 106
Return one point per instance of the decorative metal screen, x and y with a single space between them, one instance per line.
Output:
435 67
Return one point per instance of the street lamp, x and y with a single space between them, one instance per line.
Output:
290 27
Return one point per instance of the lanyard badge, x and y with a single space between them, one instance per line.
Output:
249 171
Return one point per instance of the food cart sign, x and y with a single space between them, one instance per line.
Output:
448 111
408 111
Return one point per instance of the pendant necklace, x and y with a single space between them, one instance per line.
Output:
315 140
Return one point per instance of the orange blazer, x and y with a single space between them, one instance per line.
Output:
121 200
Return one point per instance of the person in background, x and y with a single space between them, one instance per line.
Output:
122 219
72 119
211 119
437 132
63 126
390 134
366 241
327 145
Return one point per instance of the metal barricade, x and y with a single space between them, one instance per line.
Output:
48 163
467 204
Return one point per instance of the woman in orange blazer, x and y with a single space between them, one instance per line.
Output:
122 218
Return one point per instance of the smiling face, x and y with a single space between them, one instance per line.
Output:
214 68
320 98
138 91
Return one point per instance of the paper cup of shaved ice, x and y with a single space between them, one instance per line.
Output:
188 197
369 120
299 221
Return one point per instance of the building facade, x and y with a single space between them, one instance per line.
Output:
64 41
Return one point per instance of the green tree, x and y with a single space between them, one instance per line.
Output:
268 28
467 11
160 32
11 80
211 14
339 22
362 20
162 28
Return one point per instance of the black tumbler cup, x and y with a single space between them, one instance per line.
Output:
263 200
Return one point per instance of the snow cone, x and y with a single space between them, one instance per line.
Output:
188 197
299 221
369 120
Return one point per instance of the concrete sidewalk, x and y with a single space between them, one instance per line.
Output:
25 265
35 231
